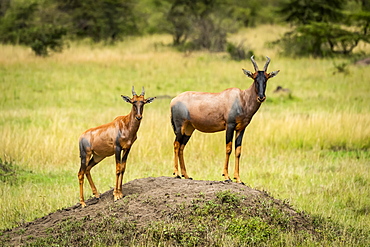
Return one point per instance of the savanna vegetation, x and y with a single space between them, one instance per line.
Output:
320 28
309 145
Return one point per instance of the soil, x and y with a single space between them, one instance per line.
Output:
150 199
363 62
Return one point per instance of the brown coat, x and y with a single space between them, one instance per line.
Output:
105 140
230 110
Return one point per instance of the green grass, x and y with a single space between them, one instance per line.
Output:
311 148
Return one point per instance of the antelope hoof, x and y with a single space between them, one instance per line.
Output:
240 182
117 196
228 180
83 204
177 176
187 177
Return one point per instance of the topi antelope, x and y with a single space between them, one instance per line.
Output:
230 110
108 139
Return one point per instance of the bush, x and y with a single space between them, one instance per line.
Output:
202 24
23 24
104 20
323 28
238 52
43 38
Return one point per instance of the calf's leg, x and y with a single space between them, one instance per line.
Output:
120 171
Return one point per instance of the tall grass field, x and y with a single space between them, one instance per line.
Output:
310 146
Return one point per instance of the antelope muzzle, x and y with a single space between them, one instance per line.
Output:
261 99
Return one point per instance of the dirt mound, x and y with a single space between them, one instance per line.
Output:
163 199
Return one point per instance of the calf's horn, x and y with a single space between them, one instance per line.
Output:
254 64
143 92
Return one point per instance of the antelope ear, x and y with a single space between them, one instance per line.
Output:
274 73
248 73
127 99
149 100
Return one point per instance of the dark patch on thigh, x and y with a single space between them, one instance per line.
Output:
84 143
235 111
230 132
179 113
117 141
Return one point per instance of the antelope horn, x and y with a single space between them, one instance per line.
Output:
254 64
267 64
142 92
133 91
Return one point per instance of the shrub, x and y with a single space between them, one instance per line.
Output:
238 52
323 28
24 24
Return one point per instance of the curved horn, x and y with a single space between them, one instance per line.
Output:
133 91
254 64
267 64
142 92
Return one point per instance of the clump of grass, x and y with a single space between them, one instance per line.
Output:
7 171
238 52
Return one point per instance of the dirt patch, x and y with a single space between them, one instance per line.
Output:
363 62
151 200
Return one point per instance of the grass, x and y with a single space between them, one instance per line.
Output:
311 147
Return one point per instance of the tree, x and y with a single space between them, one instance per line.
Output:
322 27
26 24
196 20
304 12
203 24
103 20
4 5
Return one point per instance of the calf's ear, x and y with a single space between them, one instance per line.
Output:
274 73
126 98
149 100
